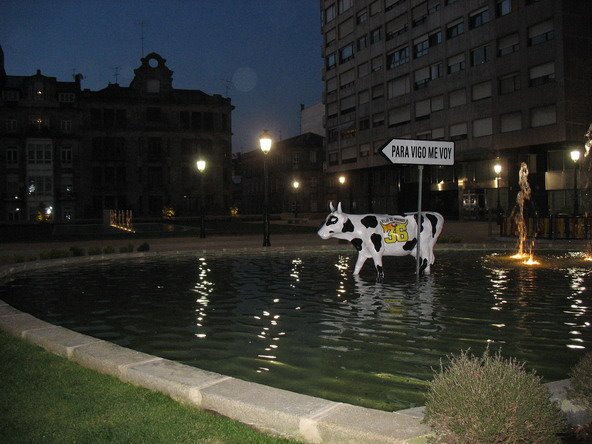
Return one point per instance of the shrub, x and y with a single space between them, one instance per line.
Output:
108 250
580 390
144 247
93 251
77 251
490 399
54 254
126 249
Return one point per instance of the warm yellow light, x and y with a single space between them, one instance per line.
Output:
201 165
497 168
295 184
265 141
575 155
341 180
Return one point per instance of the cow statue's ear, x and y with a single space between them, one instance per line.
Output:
339 208
331 207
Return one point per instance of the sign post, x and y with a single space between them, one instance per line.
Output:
420 153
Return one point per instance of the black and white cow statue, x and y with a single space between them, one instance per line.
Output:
377 235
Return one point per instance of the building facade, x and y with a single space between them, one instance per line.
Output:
297 159
70 153
506 80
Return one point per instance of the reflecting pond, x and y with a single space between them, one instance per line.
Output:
302 322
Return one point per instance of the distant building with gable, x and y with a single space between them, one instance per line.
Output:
74 153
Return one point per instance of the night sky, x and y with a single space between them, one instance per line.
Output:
263 54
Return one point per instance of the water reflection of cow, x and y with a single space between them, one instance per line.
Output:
377 235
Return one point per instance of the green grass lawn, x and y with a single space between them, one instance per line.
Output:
45 398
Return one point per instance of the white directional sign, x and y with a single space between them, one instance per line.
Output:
419 152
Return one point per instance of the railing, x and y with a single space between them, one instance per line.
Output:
557 226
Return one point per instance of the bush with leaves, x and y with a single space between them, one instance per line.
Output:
54 254
77 251
580 390
144 247
489 399
93 251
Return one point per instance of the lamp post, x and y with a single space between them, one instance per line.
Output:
575 156
295 186
497 168
265 144
201 167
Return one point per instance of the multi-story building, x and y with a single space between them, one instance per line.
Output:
507 80
72 153
297 159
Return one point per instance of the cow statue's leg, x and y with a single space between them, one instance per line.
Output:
377 258
362 256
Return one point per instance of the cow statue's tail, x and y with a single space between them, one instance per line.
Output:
439 225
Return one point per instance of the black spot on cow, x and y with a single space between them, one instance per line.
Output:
332 220
423 265
357 243
370 221
415 217
348 227
377 241
409 245
433 220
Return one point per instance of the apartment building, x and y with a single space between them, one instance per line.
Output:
507 80
70 153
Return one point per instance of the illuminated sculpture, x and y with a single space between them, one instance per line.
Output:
377 235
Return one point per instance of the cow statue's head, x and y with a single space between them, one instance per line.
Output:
334 222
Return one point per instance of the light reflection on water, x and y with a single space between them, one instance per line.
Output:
302 321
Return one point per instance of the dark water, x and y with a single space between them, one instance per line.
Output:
302 322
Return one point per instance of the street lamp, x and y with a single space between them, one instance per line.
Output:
201 167
265 144
295 185
341 180
575 156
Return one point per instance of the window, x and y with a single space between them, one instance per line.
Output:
509 83
420 46
362 16
374 7
438 134
329 13
346 28
503 7
11 156
419 13
10 95
397 57
364 149
378 91
540 33
363 69
362 42
153 114
543 116
330 61
479 18
508 44
510 122
375 36
38 91
376 63
455 28
67 184
541 74
66 97
457 98
456 63
436 71
347 78
435 38
347 104
458 131
66 155
422 77
346 53
422 109
39 186
399 116
377 120
480 55
344 5
396 27
482 127
330 36
332 110
66 126
390 4
481 91
398 87
39 153
364 124
437 103
364 97
11 125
